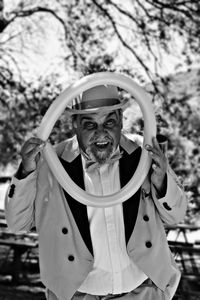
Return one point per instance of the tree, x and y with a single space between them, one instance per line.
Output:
145 29
140 38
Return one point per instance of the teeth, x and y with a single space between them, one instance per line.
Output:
102 143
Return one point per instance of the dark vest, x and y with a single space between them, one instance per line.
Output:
127 166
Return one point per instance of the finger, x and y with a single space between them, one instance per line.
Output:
31 143
32 148
156 144
35 140
151 149
159 163
156 160
33 152
155 167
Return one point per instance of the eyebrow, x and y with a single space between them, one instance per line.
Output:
88 118
112 113
85 119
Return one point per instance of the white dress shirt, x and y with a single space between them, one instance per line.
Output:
113 272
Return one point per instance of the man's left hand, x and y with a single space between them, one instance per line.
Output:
159 167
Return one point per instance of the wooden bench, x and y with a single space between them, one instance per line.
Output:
183 230
187 256
19 244
3 223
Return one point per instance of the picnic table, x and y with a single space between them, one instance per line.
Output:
19 244
3 223
183 243
183 240
182 230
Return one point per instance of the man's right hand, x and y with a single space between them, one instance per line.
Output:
30 154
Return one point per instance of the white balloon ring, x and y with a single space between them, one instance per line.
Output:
56 109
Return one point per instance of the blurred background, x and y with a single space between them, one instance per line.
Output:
47 45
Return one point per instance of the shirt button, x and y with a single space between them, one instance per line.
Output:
146 218
148 244
64 230
71 258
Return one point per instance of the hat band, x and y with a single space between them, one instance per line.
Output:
96 103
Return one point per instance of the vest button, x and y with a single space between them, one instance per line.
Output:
146 218
71 258
148 244
64 230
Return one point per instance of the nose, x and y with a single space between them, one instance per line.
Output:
100 130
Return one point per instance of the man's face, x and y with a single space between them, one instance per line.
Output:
99 134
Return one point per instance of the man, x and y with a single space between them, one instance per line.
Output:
94 253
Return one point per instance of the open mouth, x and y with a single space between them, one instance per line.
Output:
101 145
100 150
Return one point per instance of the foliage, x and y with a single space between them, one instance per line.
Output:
21 111
139 38
178 117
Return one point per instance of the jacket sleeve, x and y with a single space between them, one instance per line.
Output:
19 203
172 207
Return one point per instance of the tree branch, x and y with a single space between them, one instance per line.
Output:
141 26
71 44
176 6
126 45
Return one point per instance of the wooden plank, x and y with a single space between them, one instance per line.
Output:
18 243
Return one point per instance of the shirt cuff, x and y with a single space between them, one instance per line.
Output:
168 201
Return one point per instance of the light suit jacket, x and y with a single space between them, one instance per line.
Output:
65 247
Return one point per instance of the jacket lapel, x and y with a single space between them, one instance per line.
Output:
127 166
79 210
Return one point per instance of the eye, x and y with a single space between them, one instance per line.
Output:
110 123
89 125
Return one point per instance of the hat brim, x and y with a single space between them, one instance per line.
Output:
122 105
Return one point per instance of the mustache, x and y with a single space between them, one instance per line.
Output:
97 139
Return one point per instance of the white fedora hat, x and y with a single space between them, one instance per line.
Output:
98 99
